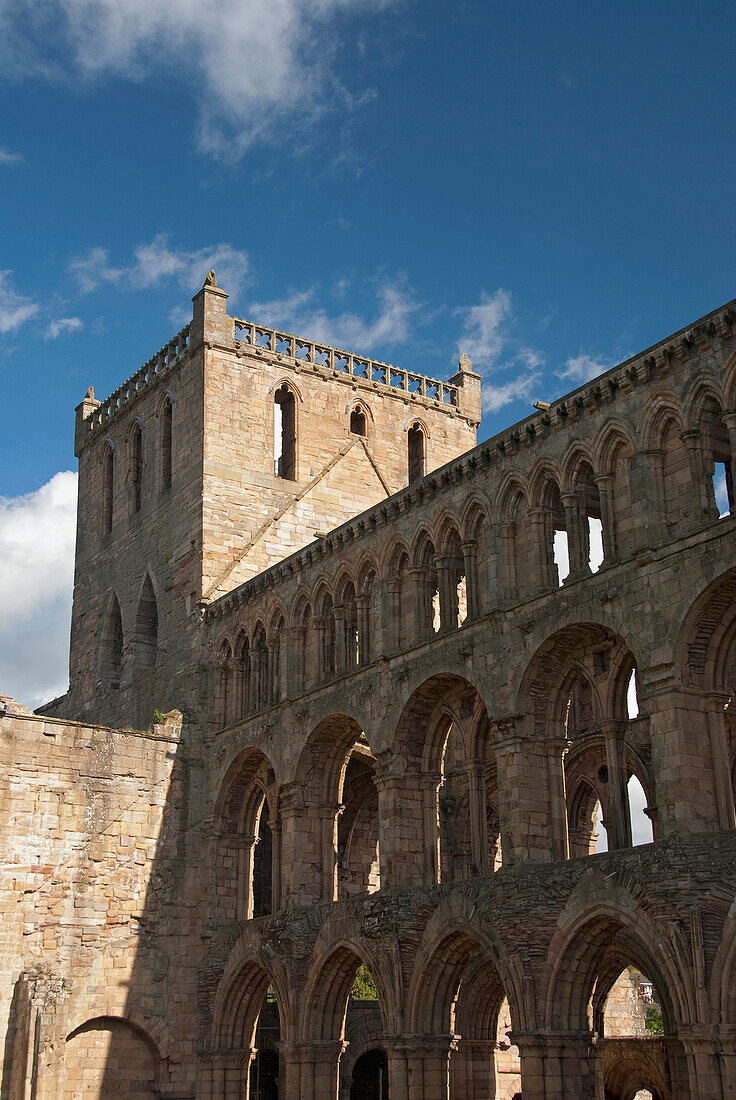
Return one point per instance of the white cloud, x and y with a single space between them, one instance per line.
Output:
157 262
37 534
488 334
9 158
257 68
581 368
298 313
63 326
15 309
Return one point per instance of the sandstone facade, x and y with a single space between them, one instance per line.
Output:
386 736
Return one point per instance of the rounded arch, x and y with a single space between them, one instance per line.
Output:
729 387
576 456
328 987
706 647
475 515
660 411
301 609
573 649
289 384
424 720
321 768
367 571
447 529
419 422
615 435
513 494
395 552
239 998
422 545
705 388
543 475
587 954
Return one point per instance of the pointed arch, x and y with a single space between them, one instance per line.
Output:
146 628
108 486
112 645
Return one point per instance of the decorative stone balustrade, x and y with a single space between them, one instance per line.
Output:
344 362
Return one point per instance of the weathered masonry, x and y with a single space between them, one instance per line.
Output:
403 684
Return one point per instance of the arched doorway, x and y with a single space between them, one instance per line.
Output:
370 1077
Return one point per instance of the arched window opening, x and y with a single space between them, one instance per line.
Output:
284 433
453 802
507 1058
633 1007
276 649
600 832
108 481
370 1077
358 421
676 478
453 585
264 1069
369 614
588 520
167 413
242 685
358 858
259 671
262 865
518 571
223 685
556 554
146 627
416 448
641 823
136 467
718 458
623 533
632 697
401 603
326 631
112 647
429 592
348 634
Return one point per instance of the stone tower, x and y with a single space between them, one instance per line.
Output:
233 447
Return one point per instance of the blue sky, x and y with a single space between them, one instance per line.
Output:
548 187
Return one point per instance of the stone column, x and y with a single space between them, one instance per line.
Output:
558 798
341 651
223 1075
524 791
578 536
556 1065
319 1068
429 1066
274 825
618 817
608 522
430 783
543 552
472 1070
422 615
476 773
393 594
301 849
296 660
398 1048
329 813
508 581
400 822
704 502
256 679
647 497
719 749
472 578
318 627
362 606
685 757
701 1046
246 846
448 598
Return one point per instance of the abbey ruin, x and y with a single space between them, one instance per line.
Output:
318 818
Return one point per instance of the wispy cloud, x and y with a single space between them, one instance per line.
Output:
489 337
581 368
37 533
259 70
156 262
15 308
63 327
389 326
10 159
